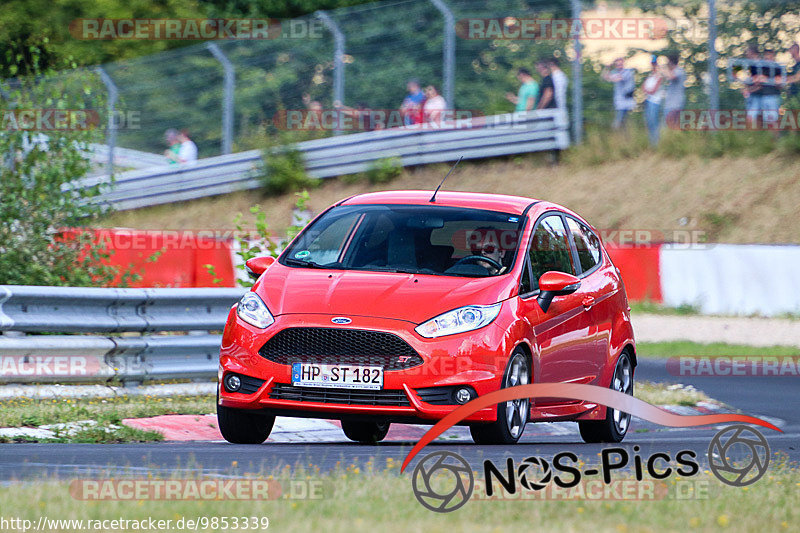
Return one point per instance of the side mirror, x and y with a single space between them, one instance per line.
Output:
257 265
553 284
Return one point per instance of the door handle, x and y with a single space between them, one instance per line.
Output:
588 302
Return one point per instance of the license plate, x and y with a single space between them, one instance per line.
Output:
337 376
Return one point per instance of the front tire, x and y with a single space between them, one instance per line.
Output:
365 432
240 426
512 415
616 423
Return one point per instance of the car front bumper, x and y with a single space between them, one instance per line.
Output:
476 359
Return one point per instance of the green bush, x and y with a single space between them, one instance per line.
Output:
284 171
43 234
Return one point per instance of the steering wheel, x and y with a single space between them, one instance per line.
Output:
477 259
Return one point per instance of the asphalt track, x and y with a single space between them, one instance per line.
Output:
776 398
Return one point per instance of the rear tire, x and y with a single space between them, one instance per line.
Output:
616 423
365 432
240 426
511 416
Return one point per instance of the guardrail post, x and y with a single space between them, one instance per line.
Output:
448 52
338 61
713 75
111 134
227 97
577 77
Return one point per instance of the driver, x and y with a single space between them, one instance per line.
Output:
492 251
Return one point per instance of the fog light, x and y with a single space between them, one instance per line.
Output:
463 395
233 383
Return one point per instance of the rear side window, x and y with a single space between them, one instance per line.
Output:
550 249
587 244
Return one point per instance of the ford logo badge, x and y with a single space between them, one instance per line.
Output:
341 320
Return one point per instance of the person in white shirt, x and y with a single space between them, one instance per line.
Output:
560 82
182 148
434 107
188 150
624 86
653 88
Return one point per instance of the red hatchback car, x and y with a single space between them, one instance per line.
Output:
393 307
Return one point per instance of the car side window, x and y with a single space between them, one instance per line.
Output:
525 284
587 244
550 249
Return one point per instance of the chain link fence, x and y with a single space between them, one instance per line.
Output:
227 93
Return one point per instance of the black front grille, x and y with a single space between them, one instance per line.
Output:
340 346
250 384
282 391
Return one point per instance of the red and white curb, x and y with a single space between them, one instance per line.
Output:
306 430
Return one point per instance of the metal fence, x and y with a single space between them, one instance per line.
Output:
335 156
138 319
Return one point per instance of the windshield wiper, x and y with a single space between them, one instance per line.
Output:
303 263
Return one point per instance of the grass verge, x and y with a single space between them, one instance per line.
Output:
28 412
108 414
369 500
715 349
669 394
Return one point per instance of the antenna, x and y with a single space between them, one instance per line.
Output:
433 198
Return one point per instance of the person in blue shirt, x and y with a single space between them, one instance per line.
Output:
411 108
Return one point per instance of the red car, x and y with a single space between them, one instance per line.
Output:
395 307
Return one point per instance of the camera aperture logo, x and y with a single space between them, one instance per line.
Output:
443 481
738 455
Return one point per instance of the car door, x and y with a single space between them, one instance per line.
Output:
597 286
562 333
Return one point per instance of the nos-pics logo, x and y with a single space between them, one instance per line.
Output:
444 481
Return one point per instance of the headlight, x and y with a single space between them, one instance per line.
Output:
253 310
459 320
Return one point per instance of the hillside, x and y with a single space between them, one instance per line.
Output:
734 200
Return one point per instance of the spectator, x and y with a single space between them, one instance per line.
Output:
752 89
624 85
793 75
653 88
525 99
187 151
560 82
362 116
434 107
675 92
770 78
547 96
313 119
411 108
171 153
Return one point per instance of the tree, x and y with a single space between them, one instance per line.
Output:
47 124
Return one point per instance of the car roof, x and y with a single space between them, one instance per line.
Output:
493 202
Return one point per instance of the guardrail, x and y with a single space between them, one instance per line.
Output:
475 138
125 357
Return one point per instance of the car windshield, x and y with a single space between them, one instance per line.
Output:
409 238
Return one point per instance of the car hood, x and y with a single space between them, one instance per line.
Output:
410 297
